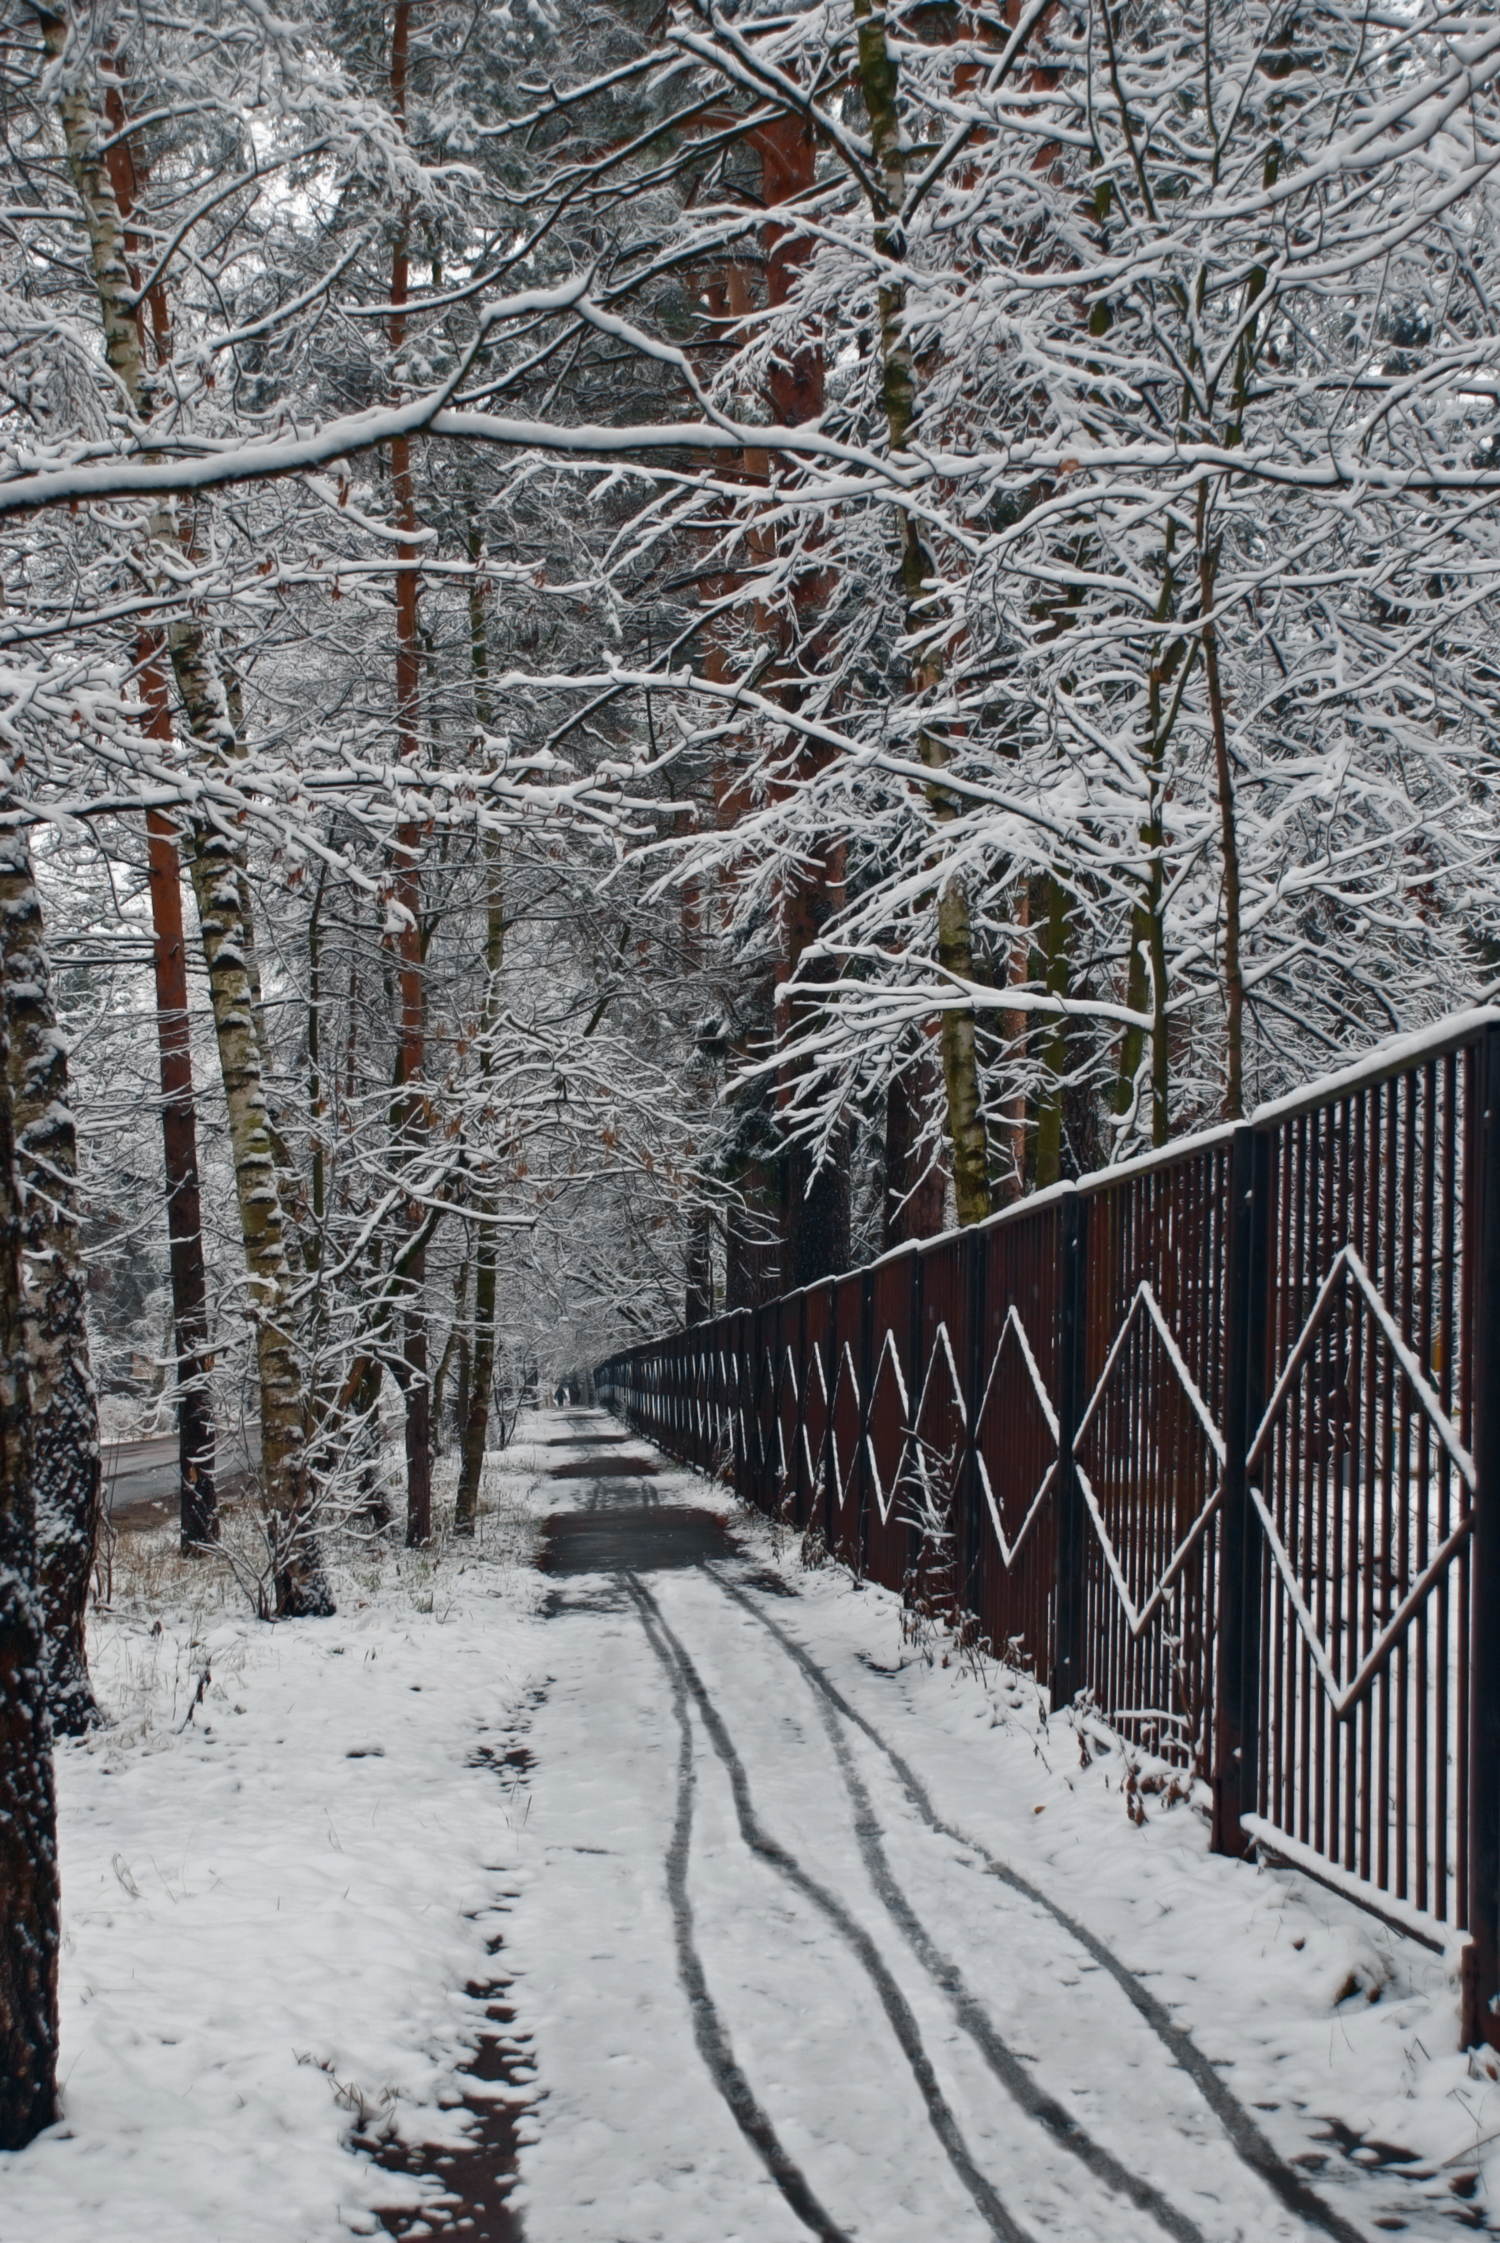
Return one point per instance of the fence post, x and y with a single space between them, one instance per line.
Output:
1247 1276
754 1429
915 1342
736 1425
774 1489
1481 1977
866 1367
1069 1665
831 1378
976 1245
799 1436
693 1388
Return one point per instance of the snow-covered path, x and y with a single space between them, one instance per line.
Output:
738 1914
788 1969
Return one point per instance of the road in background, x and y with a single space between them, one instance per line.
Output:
146 1471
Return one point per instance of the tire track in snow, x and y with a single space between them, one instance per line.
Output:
898 2011
1067 2131
1249 2143
708 2028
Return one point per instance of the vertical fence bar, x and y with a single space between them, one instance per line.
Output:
802 1495
1248 1248
827 1466
915 1344
1482 1972
757 1430
745 1481
1069 1666
866 1371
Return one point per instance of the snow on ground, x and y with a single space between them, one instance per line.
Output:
274 1897
819 1956
773 1984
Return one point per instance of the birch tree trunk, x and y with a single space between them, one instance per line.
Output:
300 1583
28 1817
453 1346
879 83
65 1406
411 1372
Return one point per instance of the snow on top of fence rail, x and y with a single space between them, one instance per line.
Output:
1392 1056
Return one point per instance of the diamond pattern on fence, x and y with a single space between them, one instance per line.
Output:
814 1419
890 1415
1015 1426
788 1415
1394 1566
1163 1481
1150 1465
1216 1440
1363 1484
846 1415
935 1447
767 1421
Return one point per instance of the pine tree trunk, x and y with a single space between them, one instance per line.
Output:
913 1195
198 1501
1049 1117
65 1406
1013 1028
698 1305
476 1423
1234 981
1147 971
109 191
461 1398
28 1819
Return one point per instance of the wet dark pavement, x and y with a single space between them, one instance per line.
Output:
632 1538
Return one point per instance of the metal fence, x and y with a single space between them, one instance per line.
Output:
1213 1438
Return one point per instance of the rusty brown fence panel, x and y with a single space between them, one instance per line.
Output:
1149 1450
1210 1441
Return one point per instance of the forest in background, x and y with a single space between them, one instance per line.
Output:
646 649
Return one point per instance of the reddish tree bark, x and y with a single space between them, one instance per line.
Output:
197 1496
198 1504
914 1188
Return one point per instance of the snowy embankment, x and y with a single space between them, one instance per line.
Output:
716 1891
275 1892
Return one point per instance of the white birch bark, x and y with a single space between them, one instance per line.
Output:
958 1037
213 863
